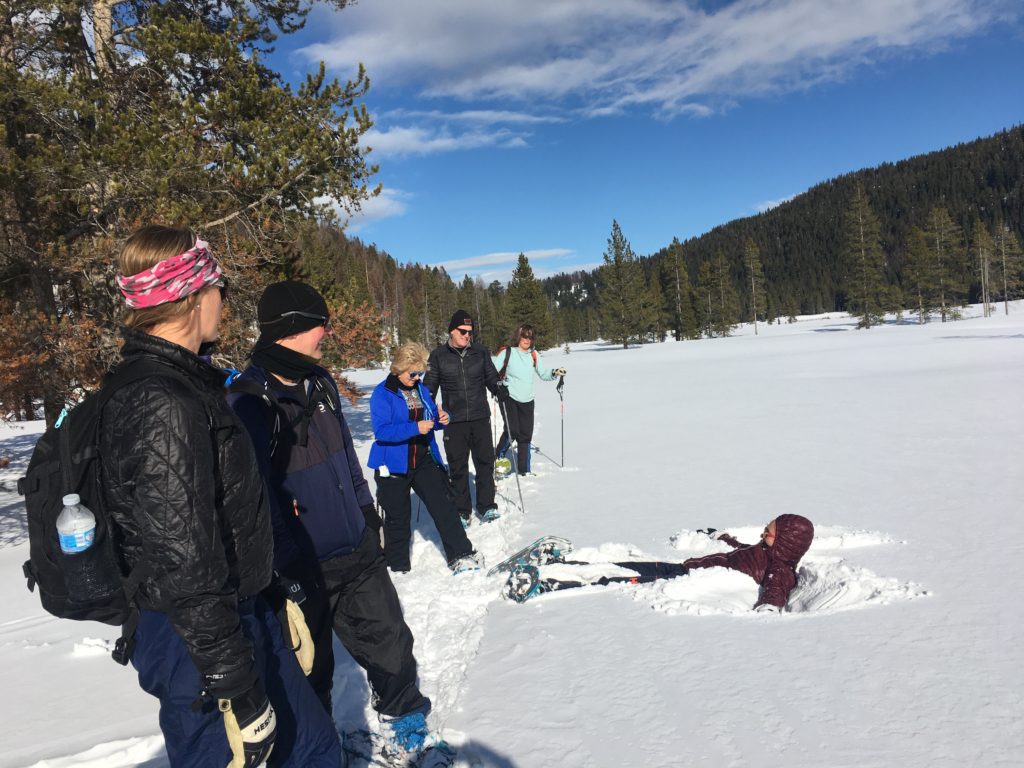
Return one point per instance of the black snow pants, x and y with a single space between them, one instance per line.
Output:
519 423
431 485
353 596
461 439
645 573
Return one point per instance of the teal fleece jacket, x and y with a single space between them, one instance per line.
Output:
519 376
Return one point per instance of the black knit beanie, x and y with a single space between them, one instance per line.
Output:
278 311
461 317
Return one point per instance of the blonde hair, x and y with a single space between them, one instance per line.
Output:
410 356
144 248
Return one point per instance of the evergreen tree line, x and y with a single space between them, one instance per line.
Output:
927 234
117 114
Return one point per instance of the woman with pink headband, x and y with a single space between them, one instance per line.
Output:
187 504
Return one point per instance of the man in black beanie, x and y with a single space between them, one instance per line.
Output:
462 370
327 551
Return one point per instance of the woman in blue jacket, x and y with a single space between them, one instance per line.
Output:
405 457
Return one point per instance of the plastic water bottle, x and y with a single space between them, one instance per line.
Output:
88 576
76 526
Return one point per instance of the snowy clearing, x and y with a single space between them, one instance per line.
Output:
903 643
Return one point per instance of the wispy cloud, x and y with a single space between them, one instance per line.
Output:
402 141
767 205
504 257
595 57
389 203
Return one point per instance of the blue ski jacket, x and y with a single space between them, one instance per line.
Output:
393 429
316 484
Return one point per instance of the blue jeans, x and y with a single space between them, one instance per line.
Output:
306 735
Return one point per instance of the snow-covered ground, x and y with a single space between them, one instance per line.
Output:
903 646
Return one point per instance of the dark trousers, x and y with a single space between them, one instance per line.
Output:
645 573
353 596
431 485
306 735
460 440
518 423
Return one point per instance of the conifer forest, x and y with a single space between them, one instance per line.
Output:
107 126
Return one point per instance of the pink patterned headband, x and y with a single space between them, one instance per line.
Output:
171 279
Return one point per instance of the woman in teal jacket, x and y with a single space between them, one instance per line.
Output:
516 366
405 457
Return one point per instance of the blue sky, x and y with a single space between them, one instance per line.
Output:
528 126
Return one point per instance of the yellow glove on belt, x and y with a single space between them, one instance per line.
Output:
302 641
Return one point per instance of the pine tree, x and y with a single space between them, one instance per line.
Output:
1009 265
525 302
755 281
865 262
679 294
982 253
653 307
920 279
945 241
726 310
704 291
621 293
116 114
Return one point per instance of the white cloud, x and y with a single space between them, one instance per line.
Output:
595 57
388 204
504 257
403 141
767 205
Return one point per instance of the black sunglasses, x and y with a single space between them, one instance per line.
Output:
325 321
221 284
464 332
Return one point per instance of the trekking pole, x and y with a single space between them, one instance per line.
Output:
561 401
515 456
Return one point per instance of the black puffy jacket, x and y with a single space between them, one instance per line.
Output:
461 375
184 491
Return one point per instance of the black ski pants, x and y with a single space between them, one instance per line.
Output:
645 573
518 423
461 439
431 485
353 596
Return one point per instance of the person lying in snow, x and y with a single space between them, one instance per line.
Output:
771 563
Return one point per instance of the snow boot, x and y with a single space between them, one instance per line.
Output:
488 515
470 562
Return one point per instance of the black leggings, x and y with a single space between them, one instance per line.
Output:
520 424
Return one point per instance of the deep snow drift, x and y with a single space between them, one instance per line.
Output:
902 646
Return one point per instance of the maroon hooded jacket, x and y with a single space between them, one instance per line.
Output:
774 567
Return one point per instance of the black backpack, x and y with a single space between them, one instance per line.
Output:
64 461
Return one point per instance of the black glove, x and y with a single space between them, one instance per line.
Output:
251 727
502 394
712 532
372 517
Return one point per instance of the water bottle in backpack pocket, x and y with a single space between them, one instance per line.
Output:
88 576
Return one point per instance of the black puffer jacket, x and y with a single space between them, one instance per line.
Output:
461 375
183 488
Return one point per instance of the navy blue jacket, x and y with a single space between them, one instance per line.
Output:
316 485
393 429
